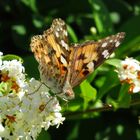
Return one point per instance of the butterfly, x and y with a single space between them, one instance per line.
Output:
62 65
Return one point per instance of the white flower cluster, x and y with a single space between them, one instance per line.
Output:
25 107
15 71
129 72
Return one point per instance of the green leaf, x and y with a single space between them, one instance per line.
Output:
74 132
5 87
138 134
113 62
91 77
44 135
110 82
20 29
112 102
101 17
131 31
130 47
37 23
132 40
120 129
31 4
72 34
73 105
12 57
124 97
88 92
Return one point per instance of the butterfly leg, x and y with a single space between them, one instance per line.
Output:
36 89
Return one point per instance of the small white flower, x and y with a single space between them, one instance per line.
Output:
15 70
129 72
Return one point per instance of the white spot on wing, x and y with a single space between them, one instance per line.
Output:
57 34
107 37
111 41
65 33
117 44
65 45
61 29
75 45
58 29
63 60
118 35
90 66
100 40
115 40
105 53
104 44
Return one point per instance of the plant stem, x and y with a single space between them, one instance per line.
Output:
106 107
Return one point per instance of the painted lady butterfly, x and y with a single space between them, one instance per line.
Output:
63 66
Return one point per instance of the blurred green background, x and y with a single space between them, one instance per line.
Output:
86 20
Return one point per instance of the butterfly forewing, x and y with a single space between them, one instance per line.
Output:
84 58
51 51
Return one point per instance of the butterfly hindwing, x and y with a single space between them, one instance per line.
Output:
51 51
86 57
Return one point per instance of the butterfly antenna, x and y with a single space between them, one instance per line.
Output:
42 83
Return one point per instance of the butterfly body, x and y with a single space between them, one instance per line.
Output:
63 66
